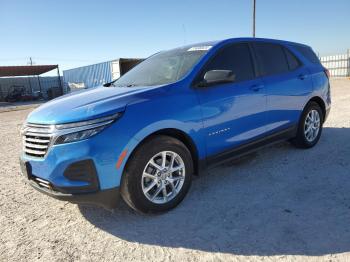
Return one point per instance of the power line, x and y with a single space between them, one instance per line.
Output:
47 58
65 59
184 33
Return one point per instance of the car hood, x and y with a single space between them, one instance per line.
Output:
84 105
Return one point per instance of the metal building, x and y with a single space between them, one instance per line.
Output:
30 84
25 82
98 74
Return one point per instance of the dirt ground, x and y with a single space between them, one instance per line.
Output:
279 203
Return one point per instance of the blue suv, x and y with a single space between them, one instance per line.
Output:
146 134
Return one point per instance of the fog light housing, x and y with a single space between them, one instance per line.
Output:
83 171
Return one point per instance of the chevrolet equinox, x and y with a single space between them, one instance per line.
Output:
144 135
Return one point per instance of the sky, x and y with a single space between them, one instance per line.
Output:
75 33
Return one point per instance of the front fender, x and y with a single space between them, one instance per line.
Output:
141 135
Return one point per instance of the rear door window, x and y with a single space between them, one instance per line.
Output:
235 57
271 59
293 62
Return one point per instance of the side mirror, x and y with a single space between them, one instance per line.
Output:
218 77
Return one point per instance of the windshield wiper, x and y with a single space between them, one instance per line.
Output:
112 84
127 85
108 84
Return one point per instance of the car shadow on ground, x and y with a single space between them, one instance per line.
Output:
278 201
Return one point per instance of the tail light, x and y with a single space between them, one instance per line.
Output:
328 74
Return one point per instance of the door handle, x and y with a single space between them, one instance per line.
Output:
256 87
302 76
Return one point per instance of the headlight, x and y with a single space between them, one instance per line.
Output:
73 137
77 131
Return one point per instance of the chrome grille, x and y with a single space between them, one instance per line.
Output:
36 139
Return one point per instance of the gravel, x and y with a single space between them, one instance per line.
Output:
7 107
278 203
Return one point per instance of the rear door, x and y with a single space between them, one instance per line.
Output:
287 82
233 113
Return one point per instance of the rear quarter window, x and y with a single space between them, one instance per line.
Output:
308 54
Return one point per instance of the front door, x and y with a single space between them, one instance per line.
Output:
233 113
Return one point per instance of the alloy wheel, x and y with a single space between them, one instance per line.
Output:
312 125
163 177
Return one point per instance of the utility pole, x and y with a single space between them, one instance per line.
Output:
30 61
254 7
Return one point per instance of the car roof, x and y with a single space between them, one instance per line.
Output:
209 44
247 39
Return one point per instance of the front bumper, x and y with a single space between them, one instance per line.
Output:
103 149
91 194
106 198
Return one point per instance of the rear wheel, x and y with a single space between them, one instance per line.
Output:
158 175
310 126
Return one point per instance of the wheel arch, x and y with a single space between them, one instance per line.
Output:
179 135
321 103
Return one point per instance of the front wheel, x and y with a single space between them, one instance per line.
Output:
158 175
310 126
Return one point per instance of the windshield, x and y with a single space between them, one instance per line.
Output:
162 68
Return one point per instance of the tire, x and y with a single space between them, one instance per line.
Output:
309 139
140 174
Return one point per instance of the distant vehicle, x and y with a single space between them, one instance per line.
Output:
177 112
15 94
20 94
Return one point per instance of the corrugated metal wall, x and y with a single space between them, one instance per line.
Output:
338 65
88 76
31 84
97 74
